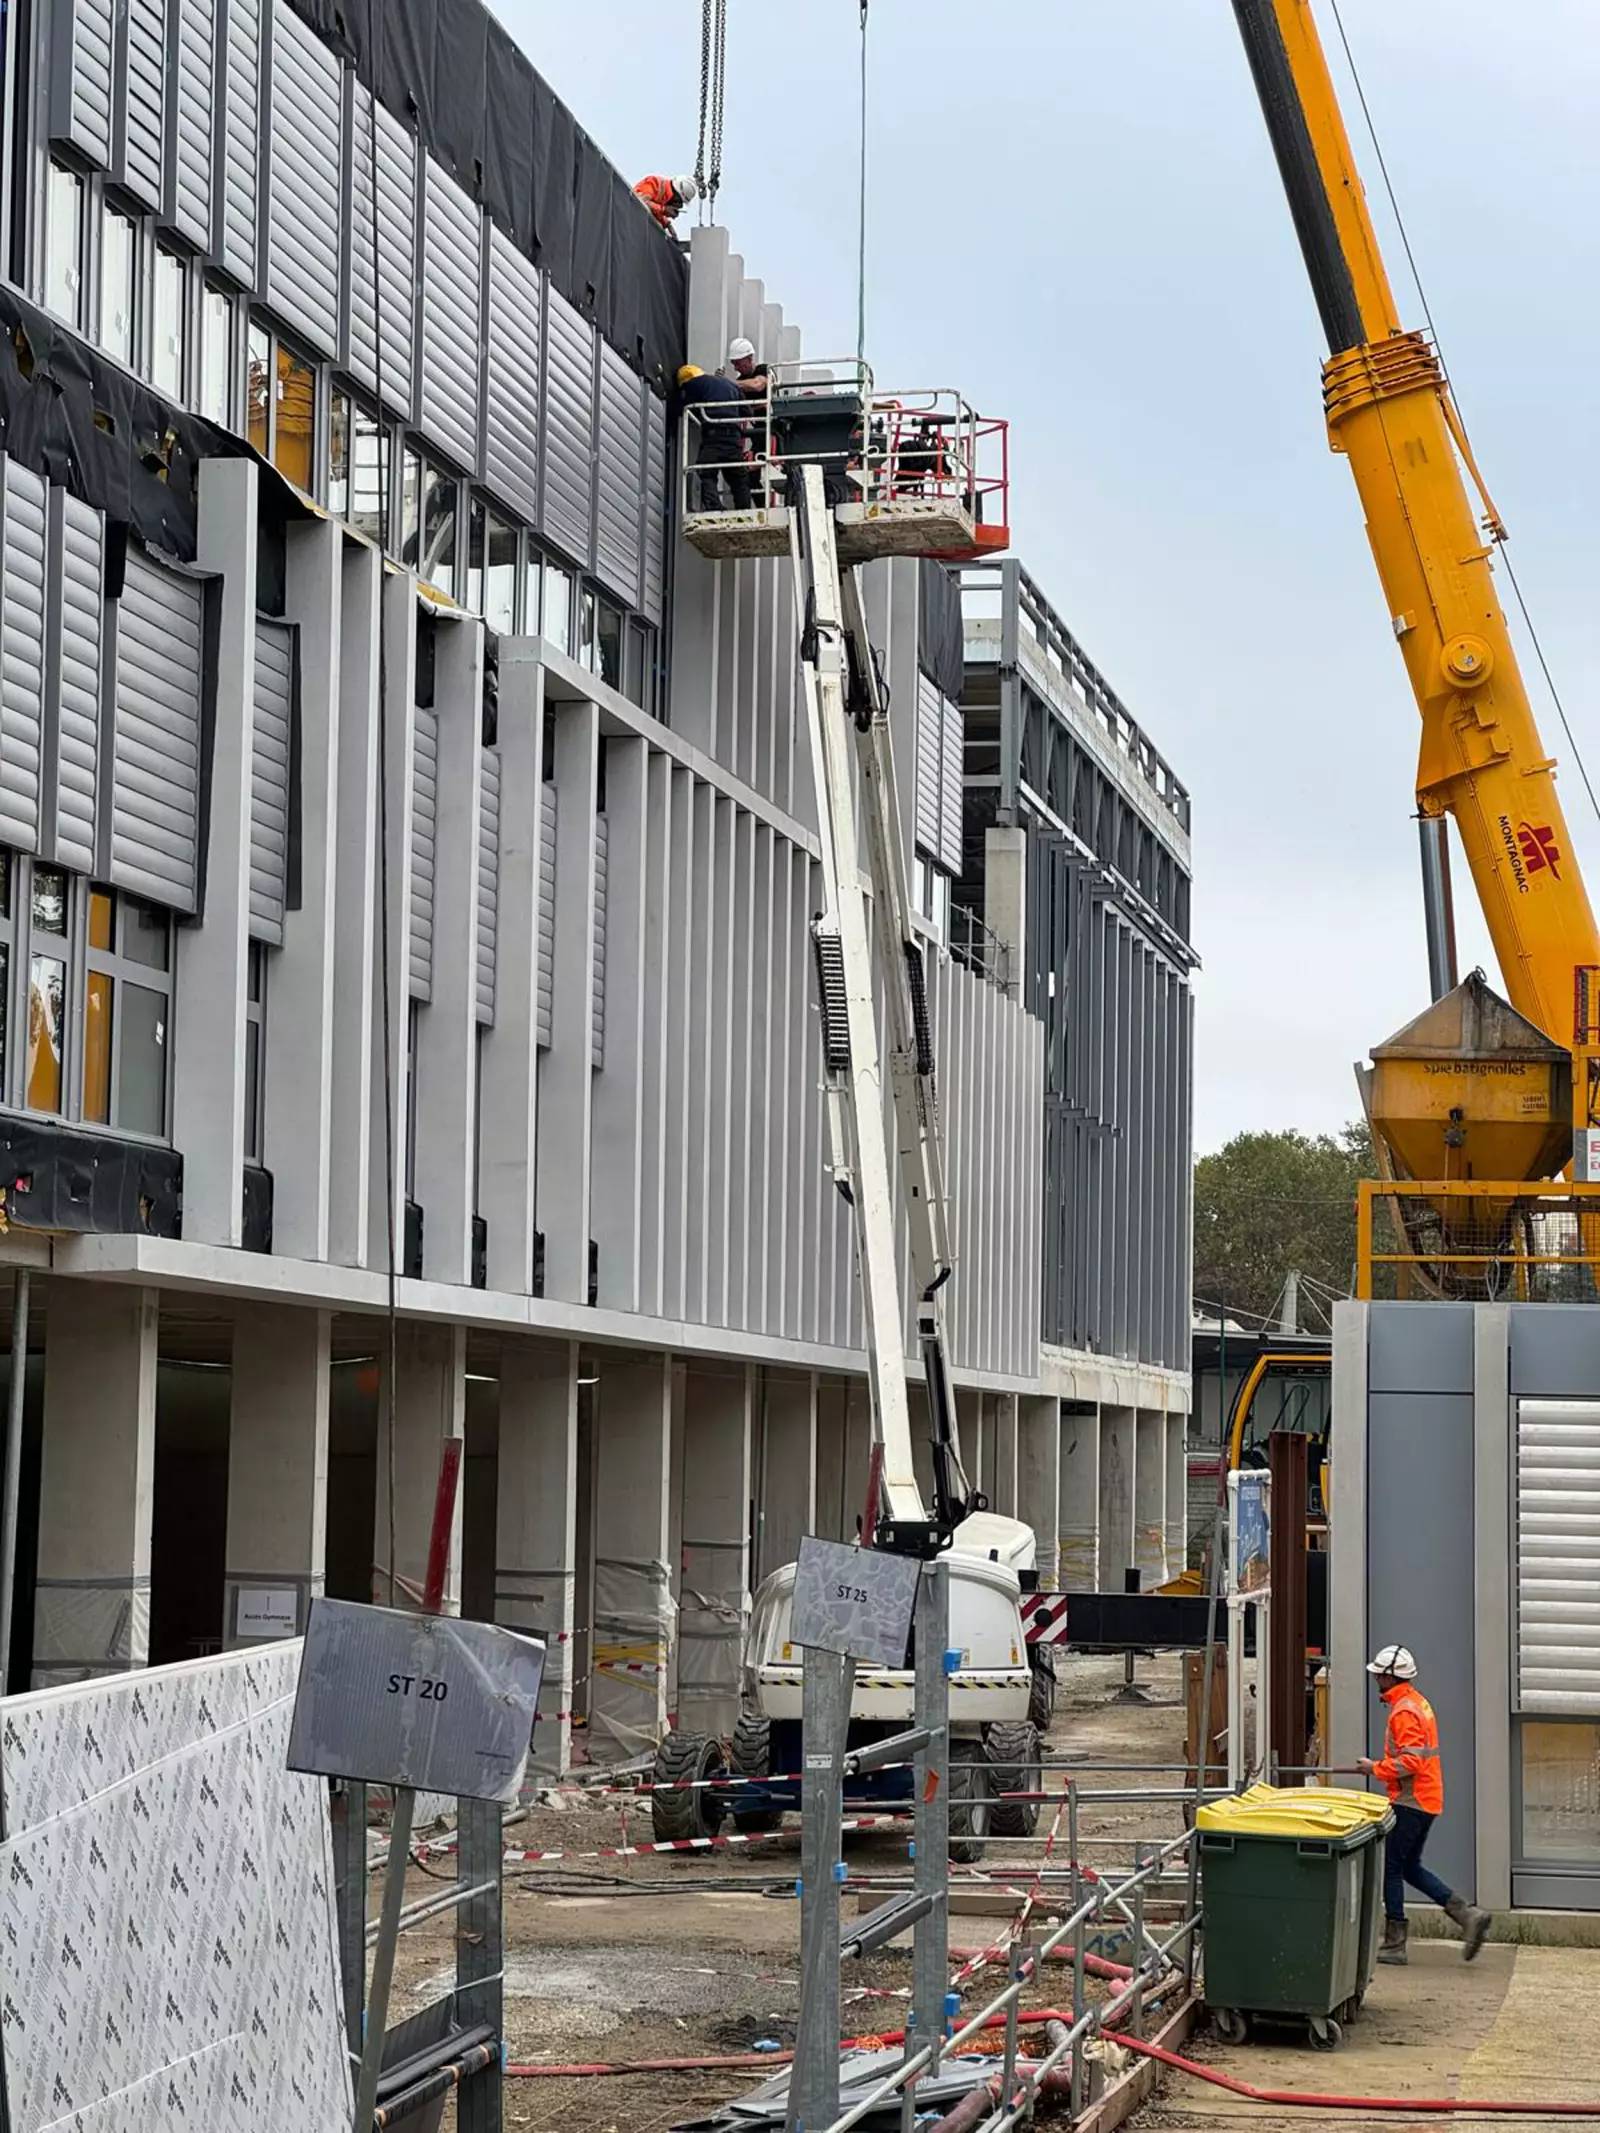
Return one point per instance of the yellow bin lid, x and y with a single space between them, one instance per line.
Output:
1293 1811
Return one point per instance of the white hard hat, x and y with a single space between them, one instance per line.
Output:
686 189
1394 1659
739 349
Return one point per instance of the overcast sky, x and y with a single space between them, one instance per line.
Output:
1075 217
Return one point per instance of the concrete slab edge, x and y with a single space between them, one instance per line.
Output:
1133 2089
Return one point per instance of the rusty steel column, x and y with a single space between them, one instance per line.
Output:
1287 1459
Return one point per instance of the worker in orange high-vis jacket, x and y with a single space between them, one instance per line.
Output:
667 198
1412 1773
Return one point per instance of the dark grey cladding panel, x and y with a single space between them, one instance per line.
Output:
238 200
619 475
23 512
488 878
424 823
1420 1347
190 137
78 565
81 76
143 129
305 181
451 326
1555 1351
270 766
511 406
654 593
382 313
155 799
568 430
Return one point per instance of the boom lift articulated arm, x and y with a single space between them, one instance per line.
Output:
860 954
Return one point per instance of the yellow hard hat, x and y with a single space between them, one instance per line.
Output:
686 371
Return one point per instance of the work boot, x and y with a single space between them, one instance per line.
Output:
1474 1924
1394 1942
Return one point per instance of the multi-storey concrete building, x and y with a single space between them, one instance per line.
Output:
408 857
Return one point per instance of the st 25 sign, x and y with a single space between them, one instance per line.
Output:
854 1601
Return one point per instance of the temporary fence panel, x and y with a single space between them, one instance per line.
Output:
488 877
930 752
191 1876
619 457
568 429
653 500
382 296
78 572
424 816
22 605
269 780
305 185
80 103
144 102
239 193
1558 1557
547 910
511 382
597 1017
189 141
155 785
950 786
451 337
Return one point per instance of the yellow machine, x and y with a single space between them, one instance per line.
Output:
1469 1092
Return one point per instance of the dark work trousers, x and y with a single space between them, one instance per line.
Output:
1402 1862
738 476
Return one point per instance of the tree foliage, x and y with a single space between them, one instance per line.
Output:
1267 1204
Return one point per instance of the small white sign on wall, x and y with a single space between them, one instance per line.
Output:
264 1611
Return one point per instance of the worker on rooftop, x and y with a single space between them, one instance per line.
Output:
667 198
1412 1774
717 445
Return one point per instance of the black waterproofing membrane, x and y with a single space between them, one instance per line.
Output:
447 68
940 650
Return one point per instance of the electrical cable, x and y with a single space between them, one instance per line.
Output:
1433 334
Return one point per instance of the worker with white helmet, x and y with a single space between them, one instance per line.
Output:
667 198
753 379
1411 1772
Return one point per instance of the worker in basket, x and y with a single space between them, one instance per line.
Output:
717 443
1412 1774
667 198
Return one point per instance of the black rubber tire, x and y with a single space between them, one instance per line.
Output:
750 1756
1324 2033
971 1806
1012 1751
1231 2025
1041 1687
675 1816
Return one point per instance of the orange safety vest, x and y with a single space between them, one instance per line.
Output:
660 195
1411 1770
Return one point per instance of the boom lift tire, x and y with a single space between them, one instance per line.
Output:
1012 1751
683 1759
1041 1686
971 1807
751 1757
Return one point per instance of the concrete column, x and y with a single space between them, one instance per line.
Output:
430 1405
632 1582
1150 1497
566 1077
718 1412
535 1538
789 1441
1003 1488
208 1037
447 1081
388 1116
297 1083
1039 1479
1118 1463
1005 896
277 1471
1079 1569
616 1181
355 859
97 1484
1177 1427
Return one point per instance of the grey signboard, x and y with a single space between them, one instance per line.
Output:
853 1600
390 1698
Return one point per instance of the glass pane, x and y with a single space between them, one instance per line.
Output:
252 1092
258 387
5 884
100 918
558 606
49 900
97 1050
142 1063
294 433
608 663
167 363
1561 1790
47 985
216 353
410 505
63 269
146 934
532 581
437 562
5 1007
339 455
586 631
369 500
256 973
500 577
116 285
477 540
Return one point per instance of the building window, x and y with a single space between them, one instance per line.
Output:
587 629
63 270
638 681
7 936
169 323
410 501
608 644
45 1086
255 1030
358 467
435 560
492 569
532 589
216 356
119 256
339 452
128 1014
281 405
558 602
258 388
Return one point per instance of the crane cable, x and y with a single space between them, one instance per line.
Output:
861 244
1427 313
713 83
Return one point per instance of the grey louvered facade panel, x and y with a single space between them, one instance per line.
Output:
22 604
80 573
452 235
511 405
145 101
192 131
239 192
424 823
488 878
1558 1557
930 753
547 910
597 1006
653 588
304 182
82 67
568 429
950 787
155 781
619 467
270 762
389 316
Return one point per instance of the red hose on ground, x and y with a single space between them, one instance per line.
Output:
1291 2098
1094 1965
743 2061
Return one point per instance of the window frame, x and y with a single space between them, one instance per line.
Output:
482 520
164 249
255 1038
123 969
57 167
210 286
279 347
106 210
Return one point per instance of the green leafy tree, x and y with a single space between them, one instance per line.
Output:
1269 1204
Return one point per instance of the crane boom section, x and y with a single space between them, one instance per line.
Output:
1389 412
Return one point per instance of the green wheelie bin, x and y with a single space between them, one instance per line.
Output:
1290 1885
